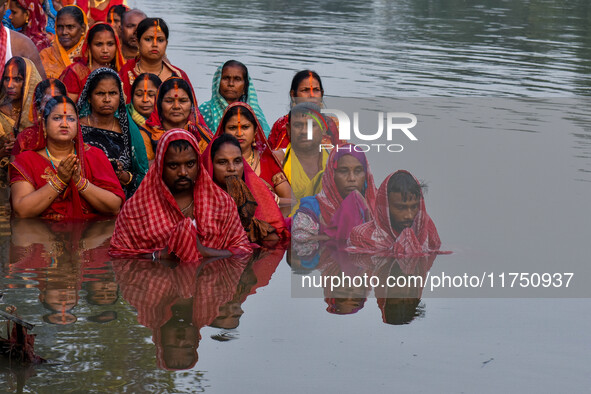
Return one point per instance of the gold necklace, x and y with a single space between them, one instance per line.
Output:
139 70
253 161
250 160
53 158
187 207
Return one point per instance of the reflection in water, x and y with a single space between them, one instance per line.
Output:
347 280
401 304
256 275
56 255
176 302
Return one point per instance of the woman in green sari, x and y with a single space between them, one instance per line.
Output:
106 124
231 83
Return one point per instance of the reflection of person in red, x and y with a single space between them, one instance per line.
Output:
178 209
402 304
54 252
401 226
176 302
256 275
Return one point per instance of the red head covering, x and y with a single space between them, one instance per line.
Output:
35 29
87 56
152 220
269 164
196 124
378 236
329 198
267 209
94 165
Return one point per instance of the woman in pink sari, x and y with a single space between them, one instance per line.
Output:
346 200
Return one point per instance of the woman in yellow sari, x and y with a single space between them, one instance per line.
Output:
16 98
70 27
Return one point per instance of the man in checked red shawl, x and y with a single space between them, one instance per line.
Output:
401 226
178 211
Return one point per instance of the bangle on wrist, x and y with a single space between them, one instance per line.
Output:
54 186
130 179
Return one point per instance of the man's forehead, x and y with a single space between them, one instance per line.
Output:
134 17
175 152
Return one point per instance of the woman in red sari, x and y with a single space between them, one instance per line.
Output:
240 121
176 108
97 10
31 19
346 200
306 86
260 215
64 179
152 35
101 49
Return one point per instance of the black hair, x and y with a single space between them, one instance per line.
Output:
302 75
140 79
169 85
42 87
180 145
119 9
20 64
404 183
147 23
97 29
236 63
304 108
234 111
221 140
93 83
55 101
73 11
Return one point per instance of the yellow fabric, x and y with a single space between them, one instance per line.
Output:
301 184
32 78
56 58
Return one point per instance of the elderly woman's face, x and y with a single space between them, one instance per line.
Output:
62 123
69 32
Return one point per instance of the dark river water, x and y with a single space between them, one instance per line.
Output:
501 92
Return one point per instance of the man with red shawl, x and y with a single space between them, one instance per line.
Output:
178 209
401 226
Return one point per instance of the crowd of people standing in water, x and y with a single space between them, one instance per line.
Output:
95 121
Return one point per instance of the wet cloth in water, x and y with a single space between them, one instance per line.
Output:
152 220
378 236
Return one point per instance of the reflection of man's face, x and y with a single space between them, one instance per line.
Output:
298 129
102 293
402 213
179 344
180 169
229 316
